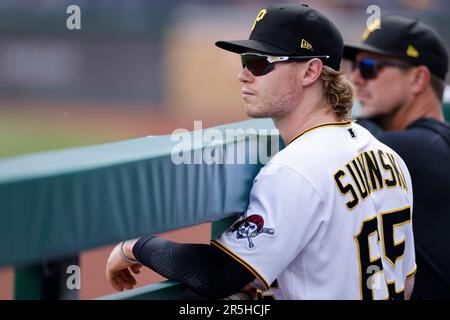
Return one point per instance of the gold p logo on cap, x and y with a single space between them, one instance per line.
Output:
376 24
259 17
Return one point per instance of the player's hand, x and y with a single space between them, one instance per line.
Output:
246 293
119 272
250 289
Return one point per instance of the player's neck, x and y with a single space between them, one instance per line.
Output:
300 120
423 106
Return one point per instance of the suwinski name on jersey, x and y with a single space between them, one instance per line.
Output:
370 171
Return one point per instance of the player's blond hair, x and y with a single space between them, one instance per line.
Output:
337 93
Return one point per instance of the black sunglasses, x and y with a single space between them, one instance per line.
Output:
261 64
369 68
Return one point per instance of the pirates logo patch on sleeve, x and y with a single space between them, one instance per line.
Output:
250 227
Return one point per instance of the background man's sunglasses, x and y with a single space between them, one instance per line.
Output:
261 64
369 68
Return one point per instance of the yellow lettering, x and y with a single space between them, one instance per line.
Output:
346 189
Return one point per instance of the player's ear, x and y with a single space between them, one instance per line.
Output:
312 70
420 77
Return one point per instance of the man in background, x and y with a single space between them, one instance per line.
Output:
399 73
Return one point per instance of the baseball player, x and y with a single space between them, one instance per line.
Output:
330 216
399 73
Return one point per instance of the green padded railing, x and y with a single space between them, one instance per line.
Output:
57 204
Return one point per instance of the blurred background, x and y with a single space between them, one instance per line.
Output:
137 68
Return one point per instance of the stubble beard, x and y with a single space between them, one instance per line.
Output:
276 110
256 113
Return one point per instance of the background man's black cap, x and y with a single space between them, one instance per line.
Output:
292 30
406 39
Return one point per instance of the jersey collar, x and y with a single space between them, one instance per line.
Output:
331 124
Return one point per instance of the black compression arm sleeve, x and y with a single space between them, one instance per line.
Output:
206 270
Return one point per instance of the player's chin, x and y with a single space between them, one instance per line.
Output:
254 111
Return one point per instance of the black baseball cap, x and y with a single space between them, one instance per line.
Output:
406 39
292 30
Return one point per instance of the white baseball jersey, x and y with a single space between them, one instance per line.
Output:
329 217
